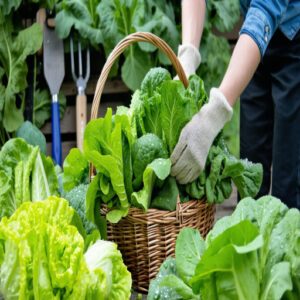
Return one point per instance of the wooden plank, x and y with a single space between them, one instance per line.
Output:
68 123
111 87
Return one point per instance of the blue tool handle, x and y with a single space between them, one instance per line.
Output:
56 140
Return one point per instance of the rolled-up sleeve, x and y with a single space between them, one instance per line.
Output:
262 20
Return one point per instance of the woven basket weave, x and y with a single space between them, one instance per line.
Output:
146 239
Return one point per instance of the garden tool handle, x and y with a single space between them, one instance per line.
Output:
55 124
80 119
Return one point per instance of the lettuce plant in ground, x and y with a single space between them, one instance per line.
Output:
26 174
130 153
42 257
252 254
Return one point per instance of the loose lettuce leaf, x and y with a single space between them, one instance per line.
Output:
103 147
229 267
32 135
160 168
173 112
157 290
107 144
189 249
105 256
8 203
166 196
76 169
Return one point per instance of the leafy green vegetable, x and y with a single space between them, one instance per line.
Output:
80 15
119 18
76 169
229 267
27 175
145 150
189 249
42 257
32 135
7 6
165 196
13 53
105 257
172 280
252 254
215 182
104 147
76 198
159 168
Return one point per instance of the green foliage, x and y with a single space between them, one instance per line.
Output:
121 18
76 198
146 149
131 161
103 146
251 254
159 168
76 170
42 257
32 135
27 175
221 169
80 15
14 50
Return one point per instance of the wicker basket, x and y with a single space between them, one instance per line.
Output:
146 239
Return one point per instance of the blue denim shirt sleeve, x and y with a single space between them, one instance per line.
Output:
262 20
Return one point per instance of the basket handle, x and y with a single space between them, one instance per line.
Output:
120 47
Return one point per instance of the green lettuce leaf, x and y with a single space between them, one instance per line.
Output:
80 15
32 135
42 257
7 6
76 169
229 267
105 256
28 173
13 53
159 168
165 197
189 249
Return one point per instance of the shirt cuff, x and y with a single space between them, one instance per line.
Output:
258 27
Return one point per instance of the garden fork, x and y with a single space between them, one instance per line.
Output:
81 83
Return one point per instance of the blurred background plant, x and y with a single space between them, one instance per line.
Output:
101 24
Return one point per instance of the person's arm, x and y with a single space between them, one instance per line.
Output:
243 63
261 22
193 17
190 154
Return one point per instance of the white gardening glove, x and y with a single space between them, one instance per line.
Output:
190 154
189 57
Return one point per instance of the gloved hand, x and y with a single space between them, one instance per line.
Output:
190 154
189 57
